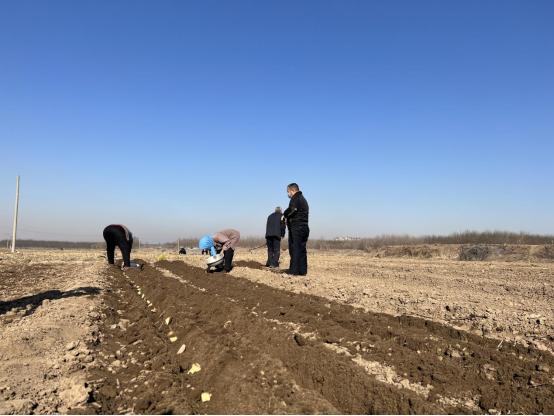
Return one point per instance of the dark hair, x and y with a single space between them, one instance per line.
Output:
293 186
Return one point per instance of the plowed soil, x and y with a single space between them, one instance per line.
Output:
264 350
79 336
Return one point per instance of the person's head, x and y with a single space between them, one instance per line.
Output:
292 189
207 243
278 210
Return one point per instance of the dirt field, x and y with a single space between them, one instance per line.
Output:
357 335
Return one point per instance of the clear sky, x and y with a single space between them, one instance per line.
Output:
179 118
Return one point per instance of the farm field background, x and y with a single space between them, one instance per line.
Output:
359 334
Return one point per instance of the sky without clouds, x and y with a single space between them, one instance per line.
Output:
181 118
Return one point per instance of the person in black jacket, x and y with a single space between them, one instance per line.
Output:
118 235
296 216
274 231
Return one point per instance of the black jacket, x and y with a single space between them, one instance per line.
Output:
298 211
275 227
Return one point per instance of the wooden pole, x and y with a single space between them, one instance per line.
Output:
14 230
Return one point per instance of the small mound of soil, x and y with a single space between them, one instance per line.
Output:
545 253
474 253
250 264
423 252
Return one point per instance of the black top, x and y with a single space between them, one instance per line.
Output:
275 227
117 233
298 211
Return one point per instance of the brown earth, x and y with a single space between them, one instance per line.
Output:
47 318
267 344
264 350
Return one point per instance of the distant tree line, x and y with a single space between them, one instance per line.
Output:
53 244
467 237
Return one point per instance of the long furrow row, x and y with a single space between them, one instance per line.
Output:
220 344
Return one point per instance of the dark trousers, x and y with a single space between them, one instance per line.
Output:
115 237
228 259
273 251
298 238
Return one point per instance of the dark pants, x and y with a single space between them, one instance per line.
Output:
115 237
228 259
298 238
273 251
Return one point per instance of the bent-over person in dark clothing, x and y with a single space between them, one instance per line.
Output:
274 231
296 216
120 236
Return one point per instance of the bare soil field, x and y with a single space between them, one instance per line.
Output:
359 334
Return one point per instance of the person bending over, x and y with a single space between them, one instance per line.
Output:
226 241
120 236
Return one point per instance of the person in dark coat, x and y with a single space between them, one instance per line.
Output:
274 231
120 236
296 216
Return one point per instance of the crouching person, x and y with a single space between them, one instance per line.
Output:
226 241
120 236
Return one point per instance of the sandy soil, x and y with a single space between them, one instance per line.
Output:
428 336
47 318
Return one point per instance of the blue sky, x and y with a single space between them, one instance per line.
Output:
180 118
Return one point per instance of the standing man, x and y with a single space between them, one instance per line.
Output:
274 231
226 240
120 236
296 216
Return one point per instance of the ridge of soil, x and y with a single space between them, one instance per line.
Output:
266 350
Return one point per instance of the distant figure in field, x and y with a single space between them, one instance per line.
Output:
296 216
274 231
120 236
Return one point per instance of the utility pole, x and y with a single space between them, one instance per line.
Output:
178 245
14 231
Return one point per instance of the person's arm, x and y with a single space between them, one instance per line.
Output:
267 225
283 228
291 210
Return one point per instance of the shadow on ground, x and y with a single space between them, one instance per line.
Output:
34 301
